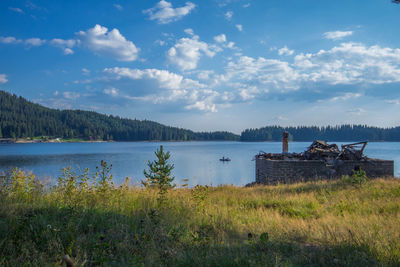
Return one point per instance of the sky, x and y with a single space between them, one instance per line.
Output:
208 65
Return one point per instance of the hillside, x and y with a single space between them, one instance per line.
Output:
332 133
20 118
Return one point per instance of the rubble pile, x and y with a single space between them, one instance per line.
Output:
321 150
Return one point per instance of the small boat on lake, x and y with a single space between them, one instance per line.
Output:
225 159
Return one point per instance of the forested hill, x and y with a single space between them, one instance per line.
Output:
20 118
330 133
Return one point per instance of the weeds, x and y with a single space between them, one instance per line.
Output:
96 223
358 178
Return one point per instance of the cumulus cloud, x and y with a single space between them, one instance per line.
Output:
266 74
68 51
65 45
111 91
35 41
336 35
165 79
220 38
285 51
108 43
351 63
239 27
229 15
189 31
187 52
9 40
164 13
172 87
3 78
346 64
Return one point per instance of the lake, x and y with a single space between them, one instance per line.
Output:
196 161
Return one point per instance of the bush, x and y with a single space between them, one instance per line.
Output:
358 178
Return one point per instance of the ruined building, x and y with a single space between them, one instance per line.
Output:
320 160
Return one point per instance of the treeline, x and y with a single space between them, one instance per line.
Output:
20 118
331 133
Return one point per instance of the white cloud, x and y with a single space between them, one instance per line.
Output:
285 51
195 95
35 41
85 71
164 13
9 40
65 45
111 91
189 31
336 35
266 74
246 5
187 52
71 95
345 97
119 7
231 45
239 27
3 78
16 9
165 79
68 51
351 63
220 38
347 64
108 43
229 15
204 74
203 105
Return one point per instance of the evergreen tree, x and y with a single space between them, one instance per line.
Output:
159 173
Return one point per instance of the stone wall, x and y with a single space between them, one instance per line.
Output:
291 171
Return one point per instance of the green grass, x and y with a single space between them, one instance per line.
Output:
332 223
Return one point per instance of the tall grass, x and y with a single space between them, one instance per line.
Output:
97 223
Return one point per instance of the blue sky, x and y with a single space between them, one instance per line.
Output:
208 65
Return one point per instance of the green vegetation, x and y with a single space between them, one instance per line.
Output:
20 118
311 133
85 216
159 174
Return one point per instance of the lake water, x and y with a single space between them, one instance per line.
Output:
196 161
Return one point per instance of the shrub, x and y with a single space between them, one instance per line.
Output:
358 178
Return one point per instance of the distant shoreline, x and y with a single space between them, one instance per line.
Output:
77 140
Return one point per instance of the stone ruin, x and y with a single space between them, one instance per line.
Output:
320 161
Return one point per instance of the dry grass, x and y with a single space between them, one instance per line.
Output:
321 223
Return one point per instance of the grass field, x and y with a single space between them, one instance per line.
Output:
336 223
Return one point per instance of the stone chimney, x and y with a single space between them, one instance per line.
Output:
285 145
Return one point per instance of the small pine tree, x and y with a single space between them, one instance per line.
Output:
159 173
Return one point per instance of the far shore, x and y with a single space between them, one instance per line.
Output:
80 140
